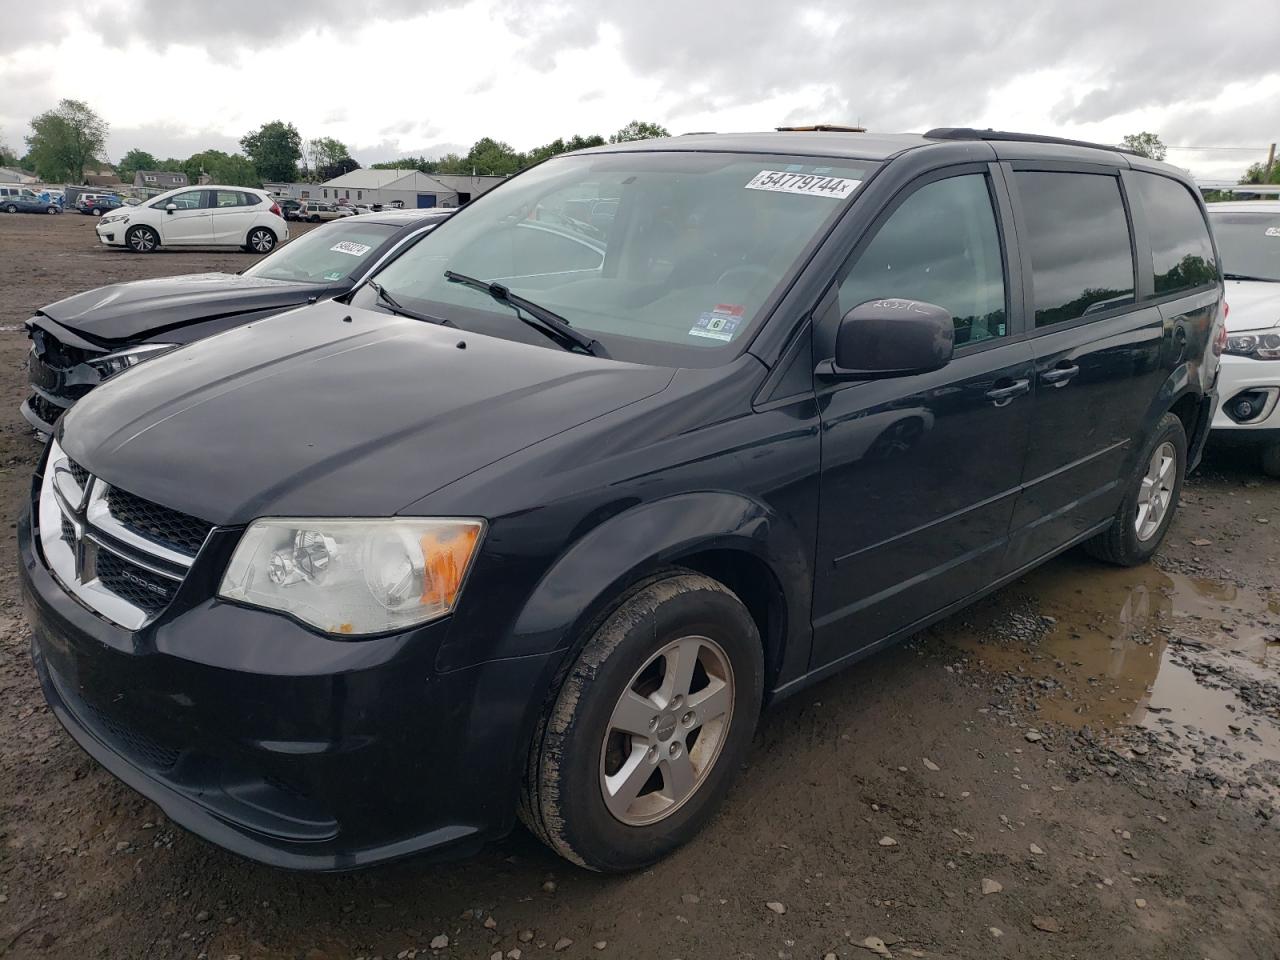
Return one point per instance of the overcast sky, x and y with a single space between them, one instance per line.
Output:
397 77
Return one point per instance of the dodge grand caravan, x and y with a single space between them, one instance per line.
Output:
534 521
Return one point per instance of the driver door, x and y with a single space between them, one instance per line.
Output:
191 222
920 473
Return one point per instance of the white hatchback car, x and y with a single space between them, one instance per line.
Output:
1248 235
198 217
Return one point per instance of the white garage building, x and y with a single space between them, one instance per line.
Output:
407 188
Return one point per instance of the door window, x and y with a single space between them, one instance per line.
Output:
1078 239
940 246
1181 251
228 198
191 200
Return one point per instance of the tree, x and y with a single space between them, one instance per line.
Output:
560 145
639 130
63 140
329 158
1257 173
7 157
231 169
133 161
1147 144
275 149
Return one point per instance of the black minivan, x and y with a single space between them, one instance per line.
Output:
536 520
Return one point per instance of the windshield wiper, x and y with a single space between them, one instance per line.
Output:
1245 276
543 320
395 306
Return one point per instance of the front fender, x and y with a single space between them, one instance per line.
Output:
600 564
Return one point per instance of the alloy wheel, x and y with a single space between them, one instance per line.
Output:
666 731
1155 493
142 241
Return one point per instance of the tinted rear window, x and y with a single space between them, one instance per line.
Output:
1081 258
1181 252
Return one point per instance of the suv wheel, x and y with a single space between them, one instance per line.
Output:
652 722
261 240
142 240
1271 460
1147 509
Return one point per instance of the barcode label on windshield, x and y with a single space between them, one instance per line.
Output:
809 184
351 247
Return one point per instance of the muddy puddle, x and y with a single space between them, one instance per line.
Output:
1195 662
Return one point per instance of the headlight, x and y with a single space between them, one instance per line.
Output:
122 360
353 576
1260 346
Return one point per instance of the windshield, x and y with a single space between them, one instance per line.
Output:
660 256
326 254
1248 243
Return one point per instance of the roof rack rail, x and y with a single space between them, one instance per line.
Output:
822 128
971 133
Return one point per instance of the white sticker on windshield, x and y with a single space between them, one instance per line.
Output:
1273 231
811 184
351 247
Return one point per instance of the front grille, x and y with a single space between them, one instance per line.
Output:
68 530
80 474
173 529
134 584
42 408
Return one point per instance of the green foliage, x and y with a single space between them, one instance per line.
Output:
328 158
560 145
7 157
231 169
1257 173
64 140
1147 144
275 149
639 130
133 161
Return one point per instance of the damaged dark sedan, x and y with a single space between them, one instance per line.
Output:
78 342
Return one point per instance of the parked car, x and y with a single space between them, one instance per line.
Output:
97 206
198 216
1248 234
23 200
289 208
514 528
314 211
78 342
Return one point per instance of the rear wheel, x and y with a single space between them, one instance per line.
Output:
52 209
260 240
649 728
142 240
11 208
1271 460
1147 509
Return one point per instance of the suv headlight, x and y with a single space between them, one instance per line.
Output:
122 360
353 577
1259 346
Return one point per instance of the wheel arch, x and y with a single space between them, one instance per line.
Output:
1181 395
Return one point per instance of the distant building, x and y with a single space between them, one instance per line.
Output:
151 182
409 188
293 191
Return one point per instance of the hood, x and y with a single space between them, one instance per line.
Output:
334 411
1255 305
125 311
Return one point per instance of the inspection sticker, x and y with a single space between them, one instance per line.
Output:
811 184
351 247
1273 231
718 324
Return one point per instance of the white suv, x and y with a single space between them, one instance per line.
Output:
198 216
1248 235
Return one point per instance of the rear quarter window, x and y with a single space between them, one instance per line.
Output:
1181 251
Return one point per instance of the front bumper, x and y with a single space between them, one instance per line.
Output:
111 234
1239 375
281 745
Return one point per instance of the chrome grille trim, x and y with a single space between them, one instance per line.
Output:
74 564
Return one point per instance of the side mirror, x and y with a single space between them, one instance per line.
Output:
891 338
169 208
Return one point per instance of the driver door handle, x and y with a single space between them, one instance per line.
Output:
1000 396
1060 376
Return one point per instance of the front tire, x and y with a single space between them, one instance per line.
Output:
142 240
260 240
97 211
650 725
52 210
11 209
1149 503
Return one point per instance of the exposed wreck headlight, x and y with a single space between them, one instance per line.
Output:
122 360
353 577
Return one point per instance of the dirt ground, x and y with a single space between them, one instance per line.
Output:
1085 764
